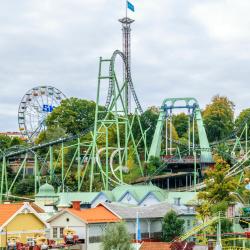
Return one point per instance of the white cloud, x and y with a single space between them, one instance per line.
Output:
179 48
226 20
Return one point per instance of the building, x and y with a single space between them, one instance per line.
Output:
140 195
46 197
89 224
151 217
13 135
22 220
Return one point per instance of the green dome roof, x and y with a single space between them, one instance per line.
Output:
46 190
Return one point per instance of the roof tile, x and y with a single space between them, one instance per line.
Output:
155 246
7 210
95 215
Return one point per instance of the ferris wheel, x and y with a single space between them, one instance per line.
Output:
34 108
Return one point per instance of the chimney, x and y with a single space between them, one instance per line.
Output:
76 205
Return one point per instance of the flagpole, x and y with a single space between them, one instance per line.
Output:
126 8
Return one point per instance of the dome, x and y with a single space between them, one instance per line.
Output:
46 190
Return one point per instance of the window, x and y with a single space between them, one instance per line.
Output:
54 232
61 232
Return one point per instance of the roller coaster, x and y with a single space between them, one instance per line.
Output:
94 155
96 159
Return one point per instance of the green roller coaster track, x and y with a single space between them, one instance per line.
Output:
92 153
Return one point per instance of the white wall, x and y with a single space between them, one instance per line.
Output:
74 223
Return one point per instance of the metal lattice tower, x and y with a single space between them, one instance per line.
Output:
126 42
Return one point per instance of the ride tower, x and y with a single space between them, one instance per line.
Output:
126 49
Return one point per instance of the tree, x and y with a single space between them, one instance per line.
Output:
218 118
243 119
153 164
50 134
116 237
73 115
218 193
7 142
25 186
150 115
172 226
180 123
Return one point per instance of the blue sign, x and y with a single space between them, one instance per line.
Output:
48 108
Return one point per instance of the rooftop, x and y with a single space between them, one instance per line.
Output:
155 246
95 215
8 210
153 211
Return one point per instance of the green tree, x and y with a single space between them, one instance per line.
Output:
50 134
218 118
172 226
25 186
180 123
153 164
7 142
219 188
4 142
73 115
149 116
116 237
243 119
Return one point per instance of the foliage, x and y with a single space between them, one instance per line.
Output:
180 122
223 151
73 115
7 142
116 237
218 118
219 190
153 164
172 226
242 119
24 187
50 134
151 115
226 226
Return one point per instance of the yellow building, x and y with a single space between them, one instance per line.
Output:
22 221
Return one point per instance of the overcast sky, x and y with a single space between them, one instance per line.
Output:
180 48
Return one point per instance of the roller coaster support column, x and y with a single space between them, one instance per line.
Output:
218 241
246 139
93 152
51 167
195 171
79 165
35 173
107 159
2 178
167 106
62 156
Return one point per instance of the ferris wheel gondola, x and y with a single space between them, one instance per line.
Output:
34 108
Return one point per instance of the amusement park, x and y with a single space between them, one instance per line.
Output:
111 174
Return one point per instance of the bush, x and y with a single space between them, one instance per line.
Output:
116 237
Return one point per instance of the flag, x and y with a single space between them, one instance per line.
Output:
130 6
138 229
